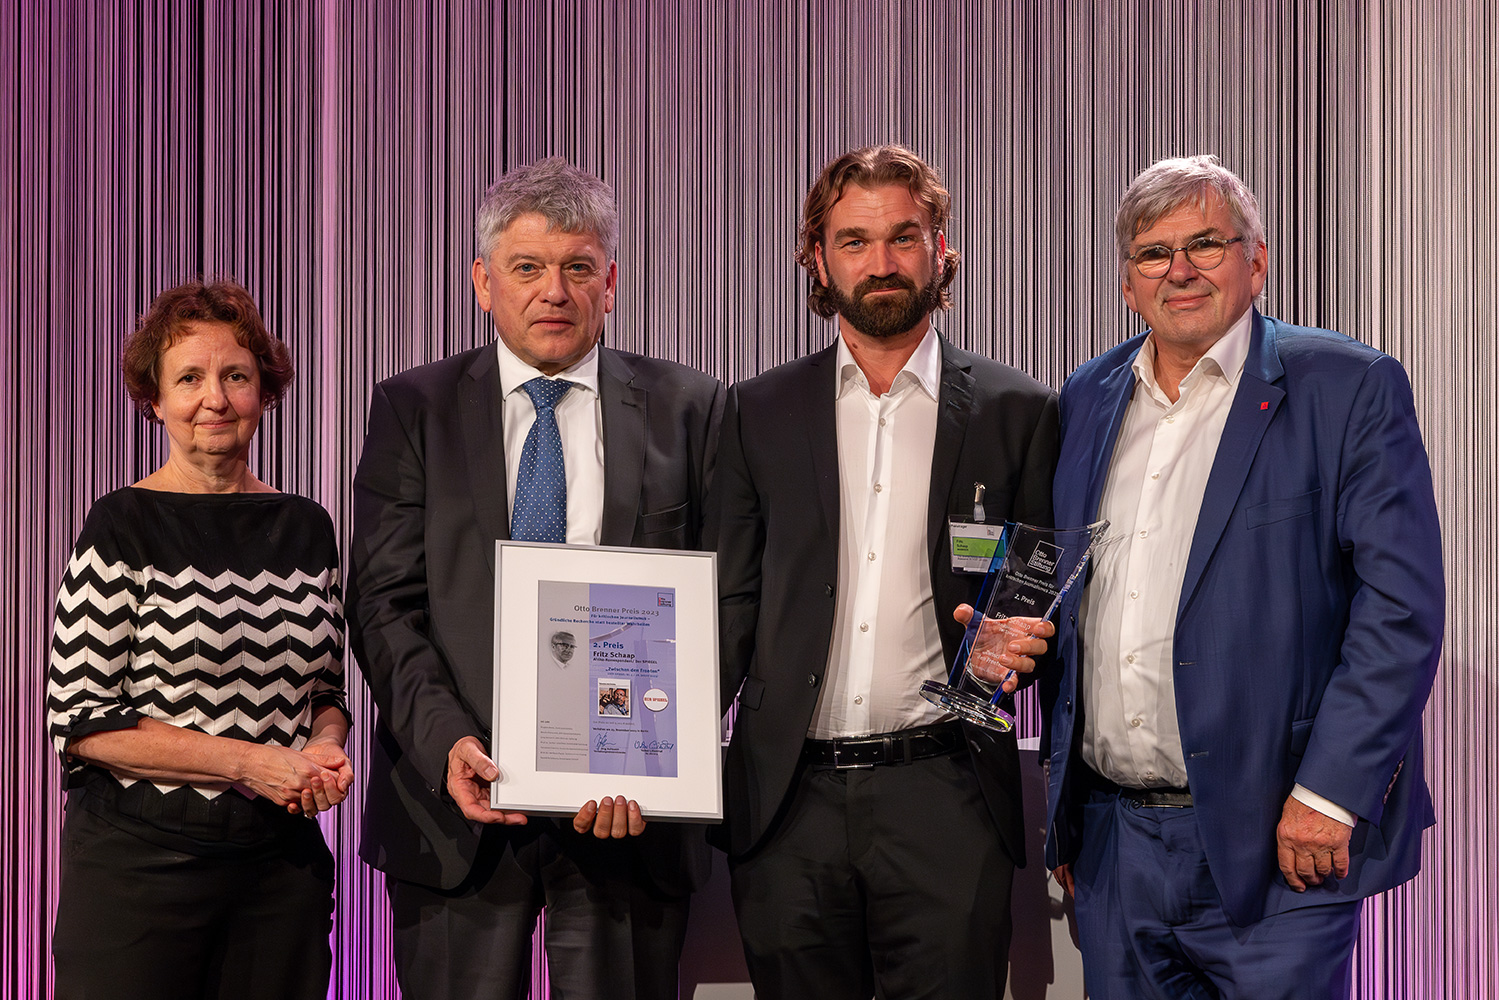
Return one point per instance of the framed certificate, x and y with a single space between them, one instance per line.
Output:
606 680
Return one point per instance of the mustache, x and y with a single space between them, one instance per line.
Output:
868 285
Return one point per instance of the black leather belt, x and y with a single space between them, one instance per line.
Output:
1164 798
900 747
1160 798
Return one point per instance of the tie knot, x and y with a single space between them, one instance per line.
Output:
545 392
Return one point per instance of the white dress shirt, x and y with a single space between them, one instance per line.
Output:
885 638
1152 497
580 422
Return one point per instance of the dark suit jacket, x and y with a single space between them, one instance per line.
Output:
430 499
776 524
1310 618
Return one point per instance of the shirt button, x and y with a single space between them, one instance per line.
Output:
863 626
811 680
1135 723
1149 775
1155 475
1144 533
1134 594
1171 418
878 488
871 557
1130 658
859 700
882 421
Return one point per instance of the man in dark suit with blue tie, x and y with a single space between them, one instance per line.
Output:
1236 742
545 436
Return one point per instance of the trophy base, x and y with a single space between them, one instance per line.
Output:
968 707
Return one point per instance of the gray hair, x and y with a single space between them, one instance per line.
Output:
570 199
1166 185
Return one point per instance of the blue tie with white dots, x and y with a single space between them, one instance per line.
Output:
540 513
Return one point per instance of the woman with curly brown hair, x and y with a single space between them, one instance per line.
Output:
195 694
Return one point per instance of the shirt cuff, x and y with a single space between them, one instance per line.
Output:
1326 807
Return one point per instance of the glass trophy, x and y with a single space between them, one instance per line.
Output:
1029 575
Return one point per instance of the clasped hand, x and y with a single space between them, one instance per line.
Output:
1004 648
470 771
307 781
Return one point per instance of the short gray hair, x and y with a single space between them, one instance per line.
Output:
1166 185
570 199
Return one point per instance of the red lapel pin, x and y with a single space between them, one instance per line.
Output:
1265 406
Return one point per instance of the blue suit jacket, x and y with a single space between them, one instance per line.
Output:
1310 619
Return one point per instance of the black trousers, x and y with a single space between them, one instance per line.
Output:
609 934
887 881
136 920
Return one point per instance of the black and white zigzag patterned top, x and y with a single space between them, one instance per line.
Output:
215 612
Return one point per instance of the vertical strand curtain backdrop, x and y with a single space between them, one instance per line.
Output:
330 155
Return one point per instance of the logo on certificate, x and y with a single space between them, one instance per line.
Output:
655 699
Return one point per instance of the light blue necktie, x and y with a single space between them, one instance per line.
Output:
540 513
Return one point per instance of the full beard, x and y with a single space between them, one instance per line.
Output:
886 316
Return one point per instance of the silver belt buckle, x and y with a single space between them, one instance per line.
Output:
839 764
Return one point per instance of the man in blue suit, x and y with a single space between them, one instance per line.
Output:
1236 739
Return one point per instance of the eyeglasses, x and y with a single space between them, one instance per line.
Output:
1204 253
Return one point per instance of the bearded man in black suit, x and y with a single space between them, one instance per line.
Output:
450 447
871 837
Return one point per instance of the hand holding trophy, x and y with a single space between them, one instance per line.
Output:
1028 577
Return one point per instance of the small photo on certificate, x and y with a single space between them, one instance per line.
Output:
614 697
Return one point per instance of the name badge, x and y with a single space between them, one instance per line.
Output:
973 544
